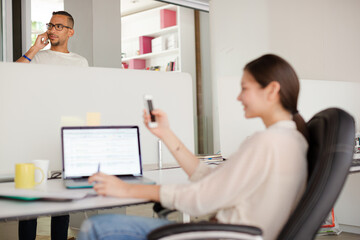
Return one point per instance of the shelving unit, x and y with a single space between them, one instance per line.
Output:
159 33
153 55
147 23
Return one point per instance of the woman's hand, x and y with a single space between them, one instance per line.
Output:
108 185
187 160
162 122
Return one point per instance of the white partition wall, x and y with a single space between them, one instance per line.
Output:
35 100
315 95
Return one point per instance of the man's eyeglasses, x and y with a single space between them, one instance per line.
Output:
58 27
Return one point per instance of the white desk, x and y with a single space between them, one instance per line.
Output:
20 210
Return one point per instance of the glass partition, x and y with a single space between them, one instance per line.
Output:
1 32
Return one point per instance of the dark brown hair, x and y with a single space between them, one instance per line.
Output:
64 13
269 68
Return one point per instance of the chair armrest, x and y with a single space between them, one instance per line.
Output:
161 211
205 230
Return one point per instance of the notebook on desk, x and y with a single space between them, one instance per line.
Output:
114 150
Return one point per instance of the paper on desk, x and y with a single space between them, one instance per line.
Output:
9 190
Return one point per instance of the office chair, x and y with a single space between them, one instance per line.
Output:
331 141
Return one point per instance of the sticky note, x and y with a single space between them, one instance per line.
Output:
72 121
93 119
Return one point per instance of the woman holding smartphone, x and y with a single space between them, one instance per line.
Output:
259 185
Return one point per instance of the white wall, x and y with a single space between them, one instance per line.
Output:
319 38
107 33
233 42
97 31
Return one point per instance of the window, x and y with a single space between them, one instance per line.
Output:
41 12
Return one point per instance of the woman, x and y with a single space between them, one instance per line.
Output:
259 185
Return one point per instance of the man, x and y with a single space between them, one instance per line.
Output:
60 29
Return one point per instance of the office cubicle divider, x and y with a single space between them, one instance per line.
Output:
36 100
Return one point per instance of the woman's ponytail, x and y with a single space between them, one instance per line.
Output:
301 125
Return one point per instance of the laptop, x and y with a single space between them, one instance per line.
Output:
114 150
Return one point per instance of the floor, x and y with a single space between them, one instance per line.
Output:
342 236
146 210
43 230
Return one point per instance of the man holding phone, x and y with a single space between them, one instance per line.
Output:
59 30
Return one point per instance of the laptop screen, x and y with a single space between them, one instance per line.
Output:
113 150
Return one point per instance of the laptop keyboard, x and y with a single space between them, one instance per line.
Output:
127 177
80 179
121 177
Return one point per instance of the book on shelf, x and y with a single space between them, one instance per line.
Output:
158 44
172 66
171 42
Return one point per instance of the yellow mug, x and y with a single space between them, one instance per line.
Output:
25 175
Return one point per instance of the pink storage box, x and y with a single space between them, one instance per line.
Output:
137 64
167 18
145 44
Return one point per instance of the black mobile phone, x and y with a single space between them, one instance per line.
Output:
149 106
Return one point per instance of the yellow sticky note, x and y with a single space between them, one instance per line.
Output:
71 121
93 119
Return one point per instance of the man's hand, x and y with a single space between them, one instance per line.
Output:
41 41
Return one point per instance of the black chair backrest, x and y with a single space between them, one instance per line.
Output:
331 142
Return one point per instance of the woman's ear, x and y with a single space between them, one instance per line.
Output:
273 90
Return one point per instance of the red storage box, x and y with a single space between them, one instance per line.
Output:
145 44
137 64
167 18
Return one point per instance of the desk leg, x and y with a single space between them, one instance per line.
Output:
185 217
